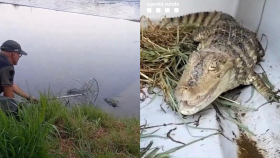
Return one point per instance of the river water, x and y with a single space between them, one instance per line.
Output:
123 9
63 46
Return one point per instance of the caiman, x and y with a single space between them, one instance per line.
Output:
225 59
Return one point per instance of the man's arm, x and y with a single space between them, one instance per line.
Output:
10 87
8 91
21 93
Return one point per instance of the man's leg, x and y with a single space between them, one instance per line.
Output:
9 104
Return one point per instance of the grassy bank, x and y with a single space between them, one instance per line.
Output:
49 129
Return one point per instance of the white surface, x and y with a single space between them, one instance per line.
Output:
264 123
267 118
215 146
249 13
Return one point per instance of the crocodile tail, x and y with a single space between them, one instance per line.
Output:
196 19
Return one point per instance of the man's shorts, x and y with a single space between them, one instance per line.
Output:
9 104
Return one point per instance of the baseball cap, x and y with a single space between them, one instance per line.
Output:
12 46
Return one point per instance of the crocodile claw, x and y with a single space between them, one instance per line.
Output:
273 97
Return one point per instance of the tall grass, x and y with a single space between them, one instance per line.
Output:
49 129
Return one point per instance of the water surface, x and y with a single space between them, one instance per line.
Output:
64 46
124 9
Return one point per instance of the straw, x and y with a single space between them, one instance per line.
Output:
163 53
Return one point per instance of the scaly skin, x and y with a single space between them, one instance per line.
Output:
225 59
196 19
205 22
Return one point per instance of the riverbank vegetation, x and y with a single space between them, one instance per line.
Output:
49 129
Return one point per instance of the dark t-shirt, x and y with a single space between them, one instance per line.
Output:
7 72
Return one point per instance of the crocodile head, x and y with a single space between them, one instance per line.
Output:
207 75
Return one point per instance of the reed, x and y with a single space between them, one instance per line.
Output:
50 129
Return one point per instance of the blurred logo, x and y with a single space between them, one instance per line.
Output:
163 7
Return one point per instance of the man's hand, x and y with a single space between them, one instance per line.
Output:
33 99
21 93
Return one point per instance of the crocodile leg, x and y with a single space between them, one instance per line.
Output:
201 33
264 90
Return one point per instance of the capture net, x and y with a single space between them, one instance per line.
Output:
86 94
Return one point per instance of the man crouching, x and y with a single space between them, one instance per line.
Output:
9 56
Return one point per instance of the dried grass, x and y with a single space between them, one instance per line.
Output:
163 53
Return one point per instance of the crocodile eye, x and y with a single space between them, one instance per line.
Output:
213 66
181 89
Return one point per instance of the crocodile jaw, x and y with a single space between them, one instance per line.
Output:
192 107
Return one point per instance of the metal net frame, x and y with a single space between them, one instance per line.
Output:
87 94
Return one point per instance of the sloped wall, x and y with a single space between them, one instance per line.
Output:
249 13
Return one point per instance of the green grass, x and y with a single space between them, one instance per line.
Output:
49 129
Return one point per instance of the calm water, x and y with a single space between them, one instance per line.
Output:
124 9
64 46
